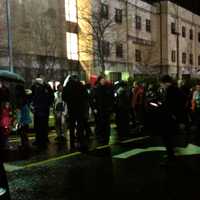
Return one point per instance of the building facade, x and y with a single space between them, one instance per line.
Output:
118 37
44 38
145 39
180 40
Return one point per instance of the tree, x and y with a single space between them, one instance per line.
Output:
36 38
45 37
95 26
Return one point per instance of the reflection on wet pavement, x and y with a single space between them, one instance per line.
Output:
129 170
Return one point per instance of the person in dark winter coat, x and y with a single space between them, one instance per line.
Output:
42 99
103 106
171 113
76 97
122 110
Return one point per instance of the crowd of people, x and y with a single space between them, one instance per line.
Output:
151 106
161 108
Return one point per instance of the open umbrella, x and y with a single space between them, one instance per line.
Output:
11 76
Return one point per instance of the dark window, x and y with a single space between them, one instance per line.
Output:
119 50
191 59
104 11
173 56
183 31
198 60
148 25
191 34
199 37
184 58
138 55
138 22
118 15
106 48
173 28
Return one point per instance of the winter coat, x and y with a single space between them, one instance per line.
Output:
76 97
42 99
6 120
103 99
25 118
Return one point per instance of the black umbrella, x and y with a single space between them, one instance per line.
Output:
11 76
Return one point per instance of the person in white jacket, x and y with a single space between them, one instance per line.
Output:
60 111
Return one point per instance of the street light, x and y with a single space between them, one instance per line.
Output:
10 47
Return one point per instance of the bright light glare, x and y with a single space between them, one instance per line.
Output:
70 10
72 46
107 72
154 104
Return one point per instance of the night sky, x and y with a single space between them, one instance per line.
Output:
193 5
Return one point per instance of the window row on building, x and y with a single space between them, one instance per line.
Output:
119 17
105 13
119 51
183 32
184 58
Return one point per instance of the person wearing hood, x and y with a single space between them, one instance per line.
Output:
76 97
122 110
42 99
103 105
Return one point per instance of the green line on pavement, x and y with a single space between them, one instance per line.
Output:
103 147
10 167
51 159
135 139
134 152
191 149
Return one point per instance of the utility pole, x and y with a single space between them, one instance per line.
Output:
178 63
127 33
10 47
177 42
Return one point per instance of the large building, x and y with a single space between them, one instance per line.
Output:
119 37
180 31
133 39
141 38
44 38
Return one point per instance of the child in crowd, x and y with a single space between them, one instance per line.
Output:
5 123
60 112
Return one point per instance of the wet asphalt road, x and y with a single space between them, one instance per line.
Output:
120 171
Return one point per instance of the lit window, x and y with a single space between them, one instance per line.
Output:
70 10
72 46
